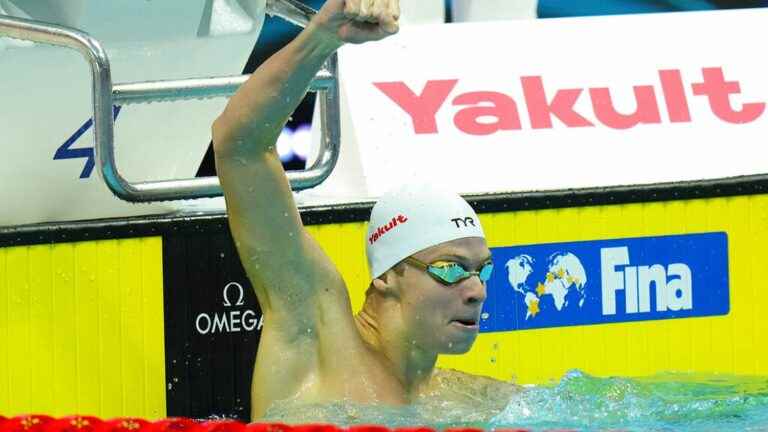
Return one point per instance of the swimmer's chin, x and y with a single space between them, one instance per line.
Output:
454 348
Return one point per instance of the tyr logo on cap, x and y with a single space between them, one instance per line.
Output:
463 222
380 231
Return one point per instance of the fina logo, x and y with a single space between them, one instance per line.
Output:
608 281
565 280
675 294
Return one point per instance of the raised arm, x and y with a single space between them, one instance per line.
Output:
290 273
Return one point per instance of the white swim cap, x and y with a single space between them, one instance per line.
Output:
411 218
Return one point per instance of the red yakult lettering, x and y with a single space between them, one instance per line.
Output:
500 112
647 108
674 96
718 90
380 231
561 106
503 108
421 108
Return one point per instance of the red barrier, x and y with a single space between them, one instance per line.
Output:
25 423
74 424
414 429
319 427
268 427
175 424
223 426
463 429
43 423
368 428
127 424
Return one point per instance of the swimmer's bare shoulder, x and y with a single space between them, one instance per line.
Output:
307 313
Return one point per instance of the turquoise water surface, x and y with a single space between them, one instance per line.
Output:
668 402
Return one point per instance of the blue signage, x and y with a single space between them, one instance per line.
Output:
607 281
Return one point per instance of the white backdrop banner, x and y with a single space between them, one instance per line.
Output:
558 103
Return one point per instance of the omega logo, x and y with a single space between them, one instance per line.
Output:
225 294
231 320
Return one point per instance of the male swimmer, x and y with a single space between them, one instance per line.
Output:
426 250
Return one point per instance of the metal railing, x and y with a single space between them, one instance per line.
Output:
106 95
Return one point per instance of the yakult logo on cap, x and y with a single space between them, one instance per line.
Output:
380 231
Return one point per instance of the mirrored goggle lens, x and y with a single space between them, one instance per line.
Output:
448 273
452 273
486 272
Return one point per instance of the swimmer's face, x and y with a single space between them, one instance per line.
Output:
445 318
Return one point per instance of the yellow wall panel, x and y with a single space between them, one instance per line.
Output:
18 349
110 350
83 329
43 313
87 327
5 298
65 335
154 328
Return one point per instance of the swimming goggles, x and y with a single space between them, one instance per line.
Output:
449 273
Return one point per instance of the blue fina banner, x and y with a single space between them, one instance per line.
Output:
607 281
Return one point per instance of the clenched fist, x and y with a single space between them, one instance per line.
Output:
358 21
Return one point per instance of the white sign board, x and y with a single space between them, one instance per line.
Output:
557 104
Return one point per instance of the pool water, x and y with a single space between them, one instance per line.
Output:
667 402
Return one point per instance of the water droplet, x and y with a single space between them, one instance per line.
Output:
175 379
450 344
485 315
221 254
170 386
493 359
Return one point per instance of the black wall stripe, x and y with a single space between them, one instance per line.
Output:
357 212
208 366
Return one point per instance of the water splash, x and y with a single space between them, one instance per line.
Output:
668 402
665 402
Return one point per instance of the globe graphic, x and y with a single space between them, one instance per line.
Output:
564 275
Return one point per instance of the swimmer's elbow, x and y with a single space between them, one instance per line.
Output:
235 140
221 136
